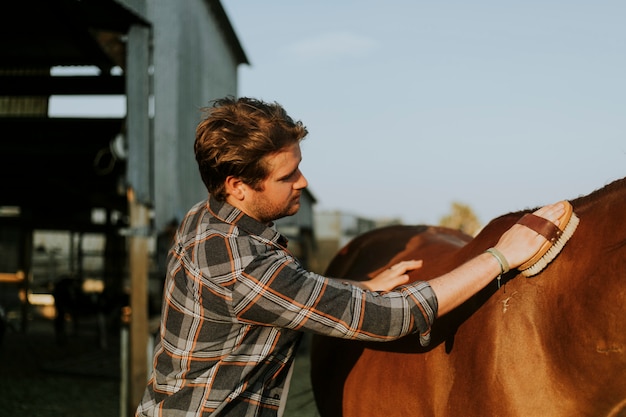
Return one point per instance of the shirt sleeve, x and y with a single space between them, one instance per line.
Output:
275 290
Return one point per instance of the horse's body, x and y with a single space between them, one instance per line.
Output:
551 345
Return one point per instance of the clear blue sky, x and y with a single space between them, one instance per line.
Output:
412 105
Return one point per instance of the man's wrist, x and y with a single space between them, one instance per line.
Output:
504 264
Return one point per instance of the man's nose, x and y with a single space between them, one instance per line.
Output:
302 182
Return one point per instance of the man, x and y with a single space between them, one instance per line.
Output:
236 302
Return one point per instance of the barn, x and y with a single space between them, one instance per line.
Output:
121 178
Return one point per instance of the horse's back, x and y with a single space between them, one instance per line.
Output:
552 345
348 361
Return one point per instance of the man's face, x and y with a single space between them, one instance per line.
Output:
281 190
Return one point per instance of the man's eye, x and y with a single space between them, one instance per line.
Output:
291 176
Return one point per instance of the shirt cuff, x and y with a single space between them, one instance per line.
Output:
425 309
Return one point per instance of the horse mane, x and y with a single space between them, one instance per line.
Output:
617 186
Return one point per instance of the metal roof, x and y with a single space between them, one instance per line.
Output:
58 169
46 33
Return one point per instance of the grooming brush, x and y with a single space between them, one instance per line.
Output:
557 238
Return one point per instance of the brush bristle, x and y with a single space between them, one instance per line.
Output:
554 250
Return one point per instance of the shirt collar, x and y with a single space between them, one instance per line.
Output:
232 215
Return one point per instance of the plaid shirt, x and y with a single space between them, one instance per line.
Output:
235 305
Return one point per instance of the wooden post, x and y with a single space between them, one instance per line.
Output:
138 265
137 70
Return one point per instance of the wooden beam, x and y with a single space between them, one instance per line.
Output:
138 177
138 265
24 85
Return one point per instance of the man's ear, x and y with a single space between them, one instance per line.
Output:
235 187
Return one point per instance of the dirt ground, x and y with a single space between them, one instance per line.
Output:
40 378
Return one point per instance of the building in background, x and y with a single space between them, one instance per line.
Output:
136 171
334 229
299 229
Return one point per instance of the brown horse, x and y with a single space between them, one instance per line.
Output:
551 345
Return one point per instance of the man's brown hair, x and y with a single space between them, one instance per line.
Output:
236 135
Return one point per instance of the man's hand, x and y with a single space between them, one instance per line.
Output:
390 278
519 243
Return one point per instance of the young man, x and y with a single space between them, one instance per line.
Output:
236 301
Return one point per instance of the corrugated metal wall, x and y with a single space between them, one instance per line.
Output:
193 64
